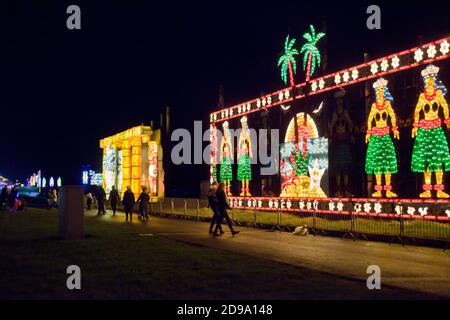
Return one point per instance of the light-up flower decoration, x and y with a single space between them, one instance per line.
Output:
314 86
321 83
355 74
346 76
374 68
337 79
384 65
418 55
445 47
431 51
395 63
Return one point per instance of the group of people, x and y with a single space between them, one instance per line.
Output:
128 202
11 200
218 202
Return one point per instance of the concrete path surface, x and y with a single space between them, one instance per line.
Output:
415 268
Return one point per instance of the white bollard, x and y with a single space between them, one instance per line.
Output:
71 212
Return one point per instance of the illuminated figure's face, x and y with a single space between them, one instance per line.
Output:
380 95
430 84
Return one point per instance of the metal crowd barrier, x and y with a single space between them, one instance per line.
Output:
346 223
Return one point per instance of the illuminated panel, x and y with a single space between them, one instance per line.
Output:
430 52
434 210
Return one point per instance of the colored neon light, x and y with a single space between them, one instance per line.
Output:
393 63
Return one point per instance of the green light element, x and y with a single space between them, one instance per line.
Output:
287 61
311 55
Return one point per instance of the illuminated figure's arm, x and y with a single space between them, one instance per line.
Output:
249 141
391 113
419 107
230 149
369 122
443 103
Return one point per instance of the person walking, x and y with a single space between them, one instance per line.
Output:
114 199
12 198
101 197
143 199
128 203
49 199
3 197
213 205
89 200
222 206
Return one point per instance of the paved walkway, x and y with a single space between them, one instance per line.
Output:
416 268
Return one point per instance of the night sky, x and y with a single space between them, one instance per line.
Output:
63 90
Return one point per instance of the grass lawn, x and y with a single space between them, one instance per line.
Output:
116 262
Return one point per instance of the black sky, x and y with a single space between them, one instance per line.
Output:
62 90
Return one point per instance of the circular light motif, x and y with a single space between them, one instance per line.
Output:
286 94
418 55
431 51
355 74
384 65
314 86
269 100
280 96
337 79
258 103
445 47
395 63
374 68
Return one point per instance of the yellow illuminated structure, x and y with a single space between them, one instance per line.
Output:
133 158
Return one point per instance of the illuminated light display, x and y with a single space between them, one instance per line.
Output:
85 177
51 182
244 173
213 151
311 55
226 158
44 182
304 164
399 61
287 62
59 182
431 152
381 158
133 158
304 159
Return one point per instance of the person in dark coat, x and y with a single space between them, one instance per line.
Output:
101 197
12 198
114 199
213 204
3 197
144 199
89 200
128 203
222 206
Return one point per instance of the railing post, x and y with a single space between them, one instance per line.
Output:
185 206
171 205
198 209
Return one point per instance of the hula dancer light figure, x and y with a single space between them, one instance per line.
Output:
381 158
245 153
226 156
430 153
